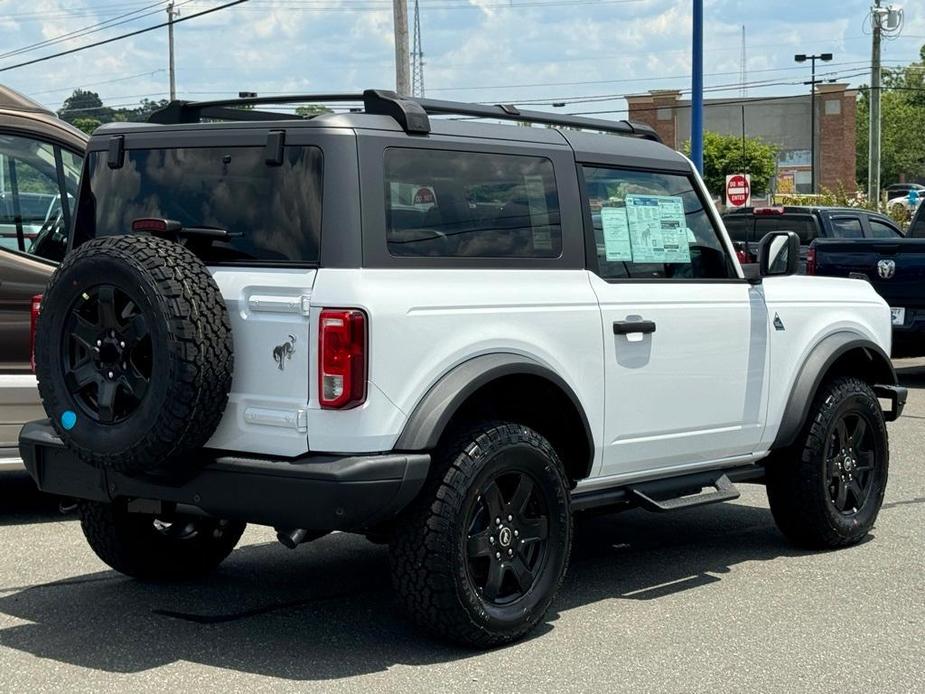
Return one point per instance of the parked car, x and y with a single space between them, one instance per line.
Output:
748 225
896 270
240 334
40 162
898 190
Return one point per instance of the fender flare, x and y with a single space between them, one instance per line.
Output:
433 412
814 370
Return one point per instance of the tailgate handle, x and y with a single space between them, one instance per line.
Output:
891 248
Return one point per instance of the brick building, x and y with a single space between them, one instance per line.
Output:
783 121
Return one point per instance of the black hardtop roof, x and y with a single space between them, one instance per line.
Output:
639 145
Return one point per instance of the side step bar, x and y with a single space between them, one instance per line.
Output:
672 493
725 491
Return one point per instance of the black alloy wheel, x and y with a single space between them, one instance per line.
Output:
481 553
850 462
507 537
825 491
133 353
106 354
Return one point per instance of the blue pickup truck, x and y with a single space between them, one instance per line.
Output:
896 269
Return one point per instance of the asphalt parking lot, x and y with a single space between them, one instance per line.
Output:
707 599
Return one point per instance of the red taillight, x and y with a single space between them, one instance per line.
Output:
811 261
767 211
155 225
34 319
341 358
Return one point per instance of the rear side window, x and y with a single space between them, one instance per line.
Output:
803 225
879 230
274 212
652 226
739 227
470 205
847 228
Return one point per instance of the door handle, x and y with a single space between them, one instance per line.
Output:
626 327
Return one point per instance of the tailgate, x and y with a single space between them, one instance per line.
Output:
895 268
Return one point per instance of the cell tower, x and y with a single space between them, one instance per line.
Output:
417 55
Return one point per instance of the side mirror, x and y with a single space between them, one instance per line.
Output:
779 254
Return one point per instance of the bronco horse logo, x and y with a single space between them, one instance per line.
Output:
283 352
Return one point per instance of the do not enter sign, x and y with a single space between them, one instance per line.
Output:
738 190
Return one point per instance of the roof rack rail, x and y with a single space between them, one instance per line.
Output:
410 113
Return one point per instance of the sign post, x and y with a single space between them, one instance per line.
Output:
738 190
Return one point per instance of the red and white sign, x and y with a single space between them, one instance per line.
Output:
738 190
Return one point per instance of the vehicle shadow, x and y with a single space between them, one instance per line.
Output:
21 502
327 611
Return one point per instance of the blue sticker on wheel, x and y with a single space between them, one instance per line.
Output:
68 419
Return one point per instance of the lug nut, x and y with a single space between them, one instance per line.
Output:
122 344
111 374
497 555
497 521
510 517
510 553
516 533
99 343
491 539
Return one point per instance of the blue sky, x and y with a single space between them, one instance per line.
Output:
479 50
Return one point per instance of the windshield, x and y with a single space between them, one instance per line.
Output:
273 213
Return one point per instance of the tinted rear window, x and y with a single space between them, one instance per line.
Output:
739 227
273 211
470 204
803 225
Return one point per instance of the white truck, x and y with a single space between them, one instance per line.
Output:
447 335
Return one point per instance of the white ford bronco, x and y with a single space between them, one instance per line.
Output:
444 334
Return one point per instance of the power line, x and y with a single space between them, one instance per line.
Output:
123 36
83 31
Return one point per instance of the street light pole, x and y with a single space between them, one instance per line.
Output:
697 87
802 58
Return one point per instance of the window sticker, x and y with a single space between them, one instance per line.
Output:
617 244
658 229
536 201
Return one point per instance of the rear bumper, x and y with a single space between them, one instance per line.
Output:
318 492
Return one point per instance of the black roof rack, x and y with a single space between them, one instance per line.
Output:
410 113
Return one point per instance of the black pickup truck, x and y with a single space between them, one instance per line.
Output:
895 268
748 225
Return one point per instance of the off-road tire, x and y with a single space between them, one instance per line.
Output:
131 544
798 483
428 554
190 347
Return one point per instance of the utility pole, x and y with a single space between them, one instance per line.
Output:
744 71
873 158
802 58
402 54
171 13
697 87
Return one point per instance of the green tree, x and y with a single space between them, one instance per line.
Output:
902 115
310 110
84 104
726 154
88 125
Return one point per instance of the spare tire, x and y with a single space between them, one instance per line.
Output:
133 353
